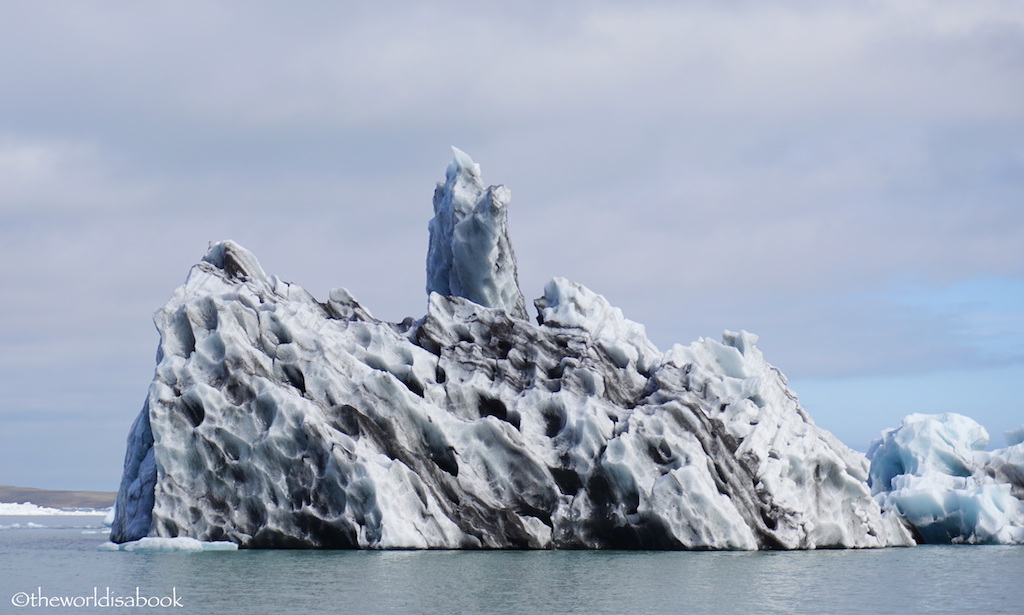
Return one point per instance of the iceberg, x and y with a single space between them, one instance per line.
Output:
934 472
276 420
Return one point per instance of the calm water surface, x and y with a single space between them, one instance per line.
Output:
64 561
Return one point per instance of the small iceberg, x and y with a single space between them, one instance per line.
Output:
169 545
22 526
934 472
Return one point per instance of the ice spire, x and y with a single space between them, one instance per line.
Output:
470 254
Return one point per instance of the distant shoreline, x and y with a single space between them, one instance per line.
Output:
57 499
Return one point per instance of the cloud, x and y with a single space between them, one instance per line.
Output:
342 67
61 176
786 168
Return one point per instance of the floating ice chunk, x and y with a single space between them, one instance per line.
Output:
169 545
22 526
1014 436
933 472
971 513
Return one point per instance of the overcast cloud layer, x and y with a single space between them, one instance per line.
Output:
845 179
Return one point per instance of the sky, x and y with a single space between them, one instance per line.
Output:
845 179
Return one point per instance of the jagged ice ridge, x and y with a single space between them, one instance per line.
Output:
277 420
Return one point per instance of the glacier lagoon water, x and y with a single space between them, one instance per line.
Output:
58 556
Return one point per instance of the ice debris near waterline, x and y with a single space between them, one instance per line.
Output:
169 545
277 420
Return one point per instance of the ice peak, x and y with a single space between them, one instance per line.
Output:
567 304
470 254
235 261
462 162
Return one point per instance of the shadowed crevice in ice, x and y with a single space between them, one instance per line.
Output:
133 512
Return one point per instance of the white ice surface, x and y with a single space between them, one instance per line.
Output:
169 545
571 305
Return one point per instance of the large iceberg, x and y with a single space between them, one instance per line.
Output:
277 420
933 471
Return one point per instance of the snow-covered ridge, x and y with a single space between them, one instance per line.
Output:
278 420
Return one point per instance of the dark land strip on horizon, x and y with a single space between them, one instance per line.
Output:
57 499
